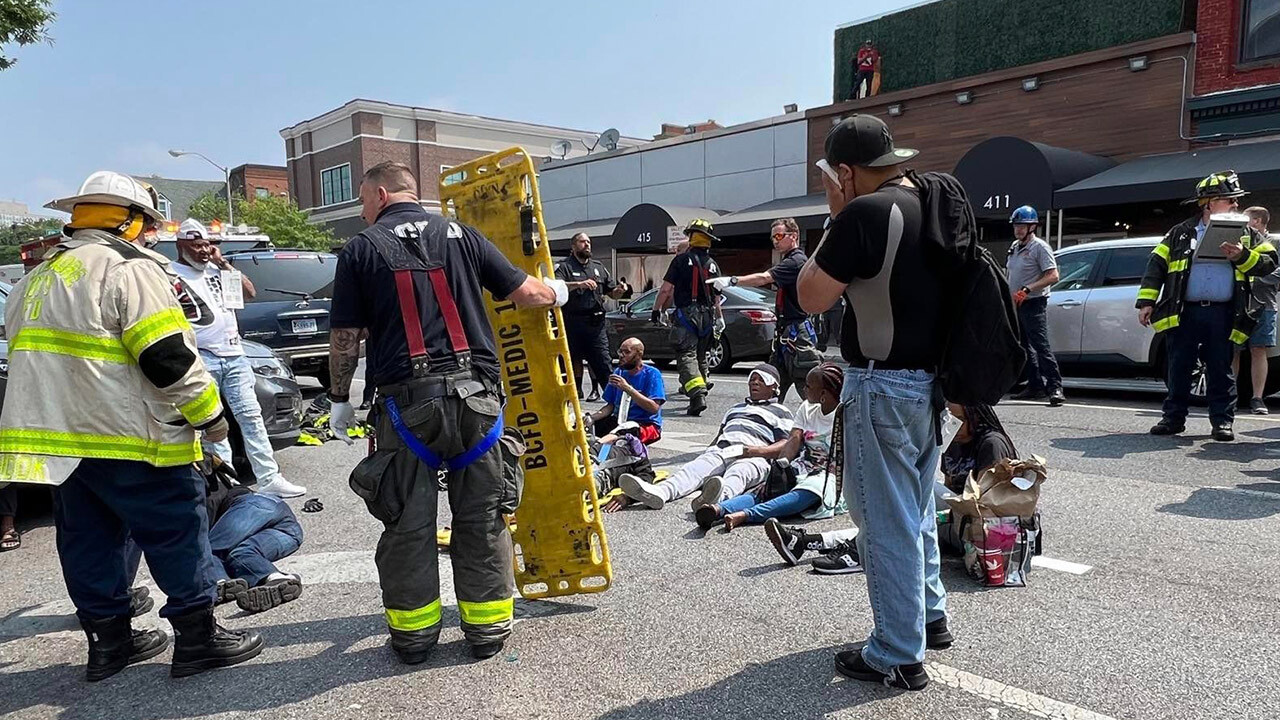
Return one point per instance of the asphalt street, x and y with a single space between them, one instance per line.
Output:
1156 598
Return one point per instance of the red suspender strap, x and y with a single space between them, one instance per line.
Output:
449 309
409 314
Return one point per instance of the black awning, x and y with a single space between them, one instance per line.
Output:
1173 176
558 237
644 228
1004 173
809 211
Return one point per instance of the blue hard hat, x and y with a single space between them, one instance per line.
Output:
1025 215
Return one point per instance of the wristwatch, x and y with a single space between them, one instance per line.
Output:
1026 289
733 280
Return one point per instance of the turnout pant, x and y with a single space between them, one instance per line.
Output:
737 475
254 532
1042 367
795 353
588 341
692 337
1204 331
401 491
101 505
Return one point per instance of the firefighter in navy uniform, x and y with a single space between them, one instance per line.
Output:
588 281
697 321
414 281
795 341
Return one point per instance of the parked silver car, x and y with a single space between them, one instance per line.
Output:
1093 326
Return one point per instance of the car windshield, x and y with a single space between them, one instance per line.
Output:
169 248
301 272
758 296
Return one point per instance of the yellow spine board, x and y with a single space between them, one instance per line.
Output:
560 545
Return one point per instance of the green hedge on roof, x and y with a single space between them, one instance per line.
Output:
952 39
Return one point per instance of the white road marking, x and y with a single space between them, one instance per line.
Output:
1011 697
1246 491
1065 566
1151 412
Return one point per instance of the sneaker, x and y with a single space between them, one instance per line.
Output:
140 601
276 590
1259 407
937 636
1030 394
282 488
1164 427
1223 433
790 542
708 516
1056 398
710 495
641 491
906 677
229 590
841 560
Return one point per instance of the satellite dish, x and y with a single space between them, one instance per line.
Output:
560 148
609 138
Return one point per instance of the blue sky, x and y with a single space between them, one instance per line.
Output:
126 80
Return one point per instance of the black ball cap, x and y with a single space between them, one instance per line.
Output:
864 141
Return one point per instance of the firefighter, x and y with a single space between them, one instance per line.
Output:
795 350
1203 305
414 281
99 330
698 322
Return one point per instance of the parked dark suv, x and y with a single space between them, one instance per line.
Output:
290 313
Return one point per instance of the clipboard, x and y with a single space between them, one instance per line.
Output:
1224 227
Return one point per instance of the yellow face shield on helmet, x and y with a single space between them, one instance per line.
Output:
113 218
699 240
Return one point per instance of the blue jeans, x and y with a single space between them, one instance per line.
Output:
101 505
254 532
1204 331
890 456
234 376
792 503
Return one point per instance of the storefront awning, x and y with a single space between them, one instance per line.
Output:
1004 173
1173 176
644 228
809 211
559 237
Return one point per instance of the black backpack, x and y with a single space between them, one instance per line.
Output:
982 355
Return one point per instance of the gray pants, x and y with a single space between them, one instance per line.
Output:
692 346
737 475
401 491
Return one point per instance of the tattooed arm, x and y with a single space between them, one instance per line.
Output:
344 356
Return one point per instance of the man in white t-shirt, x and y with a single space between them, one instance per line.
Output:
204 271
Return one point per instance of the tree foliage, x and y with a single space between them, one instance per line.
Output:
276 217
23 22
13 236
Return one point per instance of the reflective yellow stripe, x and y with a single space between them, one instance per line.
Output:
204 407
1178 266
486 613
1165 323
61 342
1148 294
1248 263
409 620
1264 247
153 327
1238 337
694 383
1162 250
113 447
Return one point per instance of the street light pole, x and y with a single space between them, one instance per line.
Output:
226 175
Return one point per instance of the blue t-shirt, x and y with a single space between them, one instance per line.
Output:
648 382
1210 280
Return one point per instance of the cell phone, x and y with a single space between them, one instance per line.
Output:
825 167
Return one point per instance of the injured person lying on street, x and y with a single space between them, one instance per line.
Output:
735 461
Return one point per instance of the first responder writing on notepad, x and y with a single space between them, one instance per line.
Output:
99 330
414 280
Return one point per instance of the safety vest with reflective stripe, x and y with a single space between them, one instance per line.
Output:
1164 284
102 364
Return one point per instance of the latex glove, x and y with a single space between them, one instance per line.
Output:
720 283
217 432
718 327
342 416
561 289
1019 297
655 317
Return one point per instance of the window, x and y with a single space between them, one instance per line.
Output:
643 305
164 207
1075 269
1126 266
261 192
335 184
1260 34
293 273
449 179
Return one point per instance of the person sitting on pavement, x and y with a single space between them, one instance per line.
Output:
737 460
808 447
979 445
641 387
248 532
201 266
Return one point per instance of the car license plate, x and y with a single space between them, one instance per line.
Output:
302 327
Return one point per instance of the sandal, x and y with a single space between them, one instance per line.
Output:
11 540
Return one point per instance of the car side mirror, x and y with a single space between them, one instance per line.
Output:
625 308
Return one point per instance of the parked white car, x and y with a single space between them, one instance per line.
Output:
1093 326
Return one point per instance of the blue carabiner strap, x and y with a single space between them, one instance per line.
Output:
688 325
425 454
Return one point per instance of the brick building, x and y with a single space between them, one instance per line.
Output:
1237 80
250 181
328 154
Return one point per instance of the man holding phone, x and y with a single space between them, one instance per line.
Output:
1201 299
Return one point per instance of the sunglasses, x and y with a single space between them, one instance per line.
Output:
781 236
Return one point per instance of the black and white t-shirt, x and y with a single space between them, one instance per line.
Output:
756 424
894 299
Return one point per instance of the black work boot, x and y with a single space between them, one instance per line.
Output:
1167 427
113 644
1031 393
202 644
140 602
1223 433
697 404
414 646
937 636
485 651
